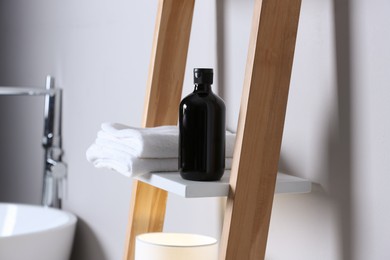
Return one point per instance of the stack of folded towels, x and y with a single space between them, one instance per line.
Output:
132 151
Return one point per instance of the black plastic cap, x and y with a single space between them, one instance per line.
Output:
203 76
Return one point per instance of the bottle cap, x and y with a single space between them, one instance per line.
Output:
203 76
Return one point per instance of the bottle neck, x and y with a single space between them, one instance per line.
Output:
202 88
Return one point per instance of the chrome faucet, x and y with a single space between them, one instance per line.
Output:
55 170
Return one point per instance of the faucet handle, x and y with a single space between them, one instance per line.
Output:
55 181
58 169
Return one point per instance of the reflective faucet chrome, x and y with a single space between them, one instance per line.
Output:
55 170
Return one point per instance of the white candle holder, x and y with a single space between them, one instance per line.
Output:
175 246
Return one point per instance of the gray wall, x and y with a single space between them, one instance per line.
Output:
336 132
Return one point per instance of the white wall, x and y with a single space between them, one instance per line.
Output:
99 53
371 63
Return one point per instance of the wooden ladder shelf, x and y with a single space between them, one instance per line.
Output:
260 124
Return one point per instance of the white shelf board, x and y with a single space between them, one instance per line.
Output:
172 182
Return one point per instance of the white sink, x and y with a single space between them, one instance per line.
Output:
35 232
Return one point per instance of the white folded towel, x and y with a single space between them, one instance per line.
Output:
154 142
103 157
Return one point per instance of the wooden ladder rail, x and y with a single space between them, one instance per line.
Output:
260 125
260 129
164 89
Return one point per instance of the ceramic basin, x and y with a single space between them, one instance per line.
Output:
35 232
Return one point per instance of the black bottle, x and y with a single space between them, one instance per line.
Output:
202 131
